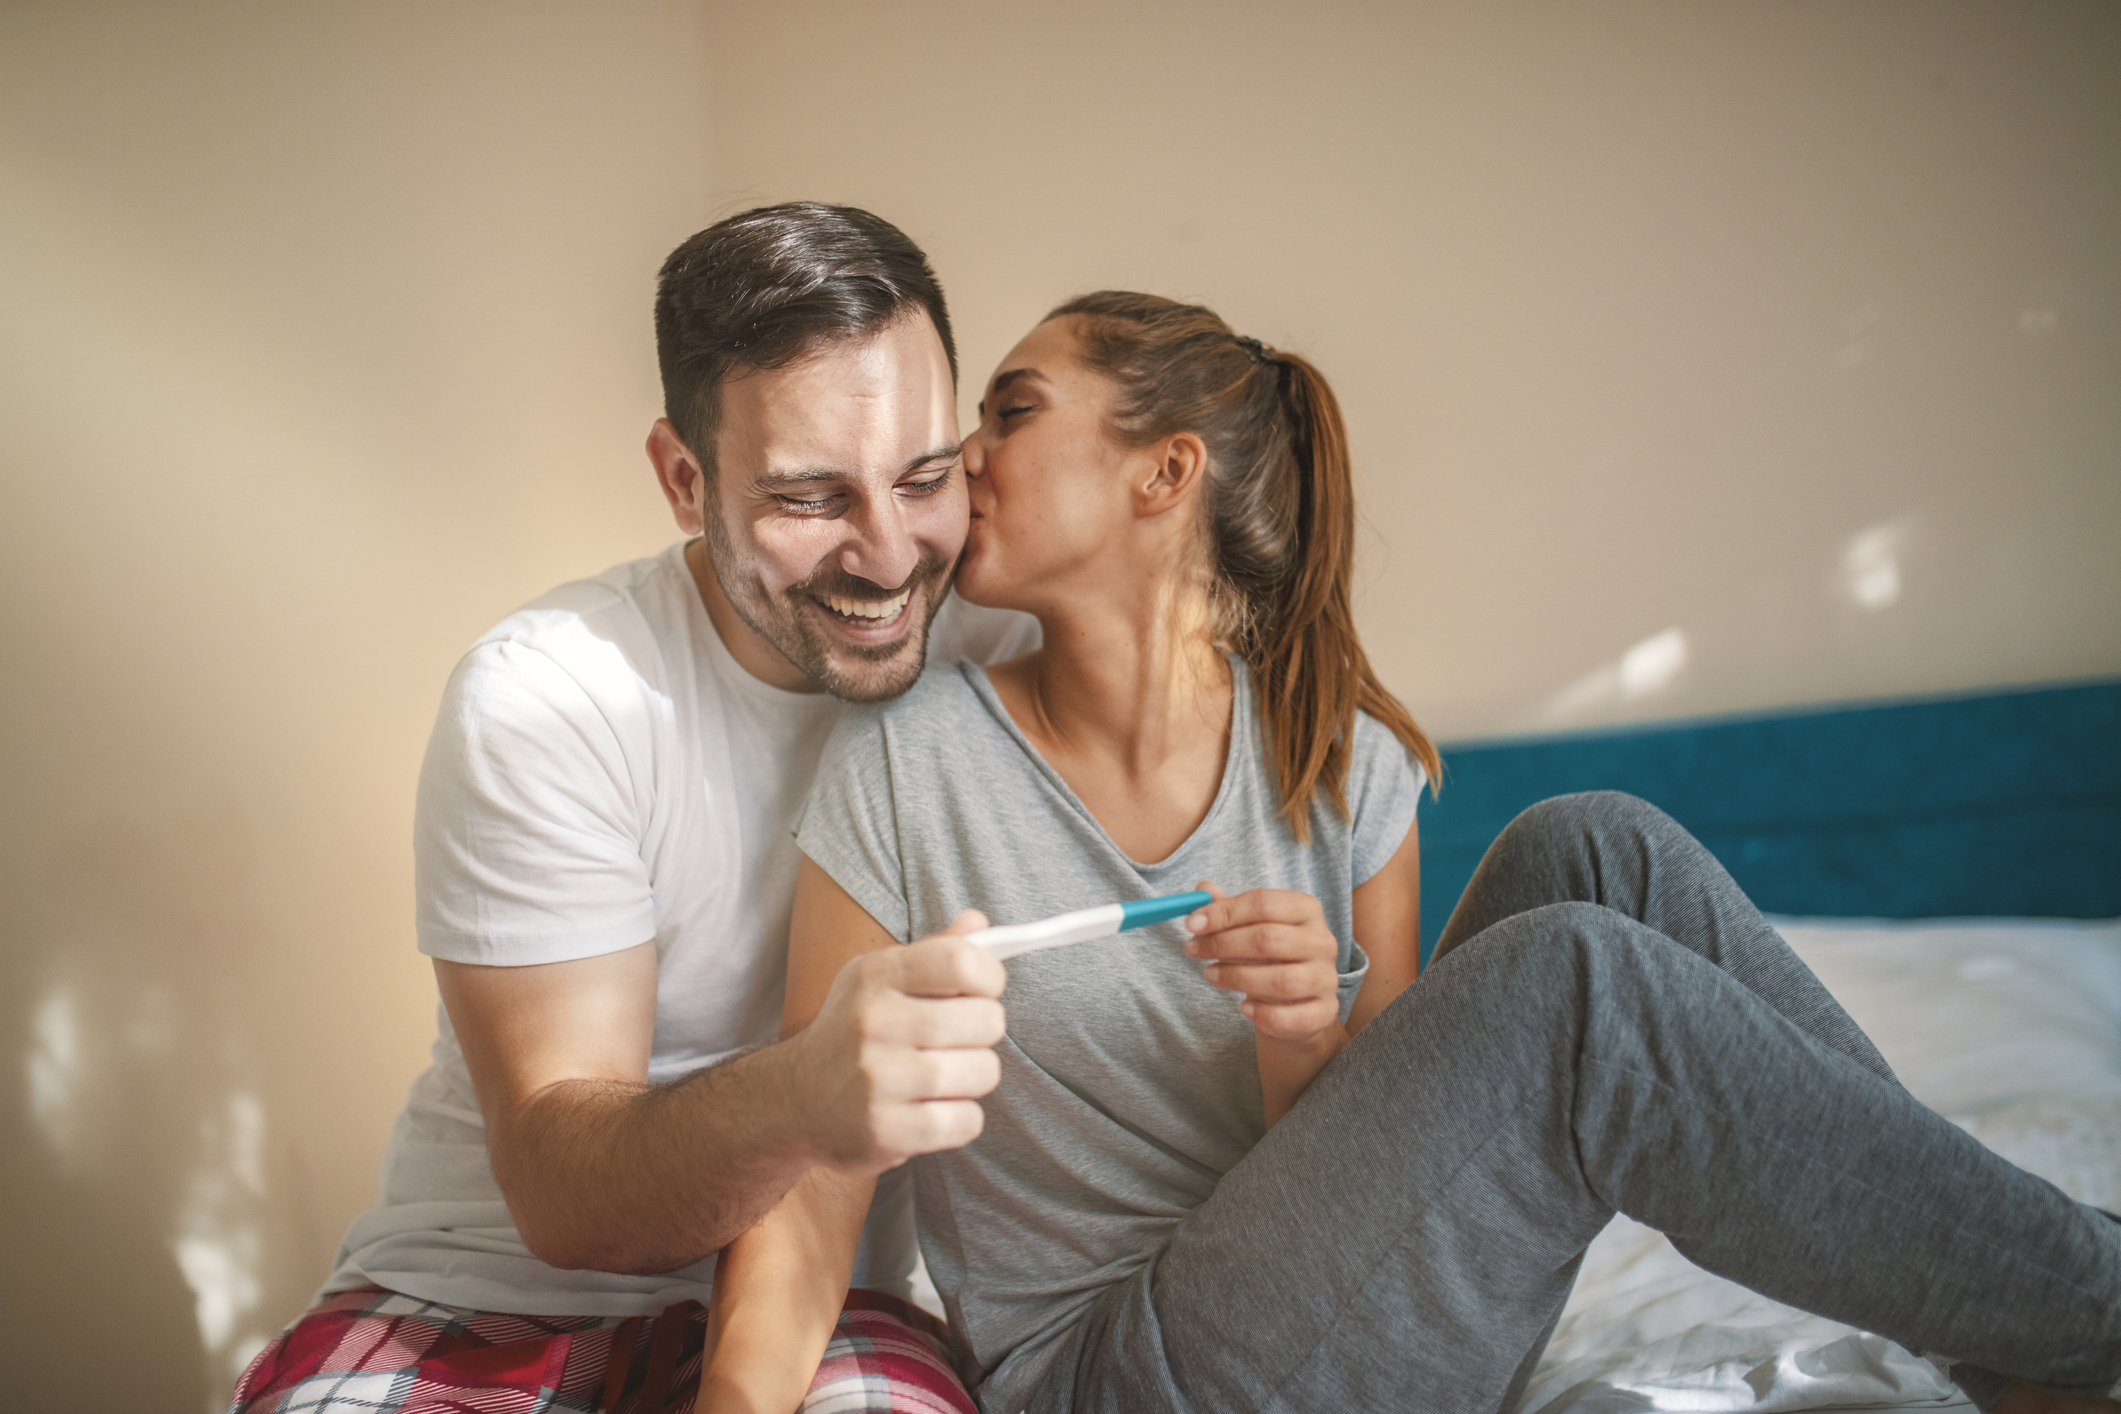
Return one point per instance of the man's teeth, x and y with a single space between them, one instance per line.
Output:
878 610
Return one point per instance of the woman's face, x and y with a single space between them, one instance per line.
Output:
1050 489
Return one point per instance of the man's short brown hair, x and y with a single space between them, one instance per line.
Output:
769 286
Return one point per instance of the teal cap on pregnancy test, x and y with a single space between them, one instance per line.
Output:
1014 940
1142 912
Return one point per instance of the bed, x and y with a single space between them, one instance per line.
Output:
2011 1028
1952 871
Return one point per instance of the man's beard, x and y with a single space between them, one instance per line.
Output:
898 664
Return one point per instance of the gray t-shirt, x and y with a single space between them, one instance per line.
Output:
1129 1085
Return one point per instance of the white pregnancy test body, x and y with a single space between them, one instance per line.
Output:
1085 923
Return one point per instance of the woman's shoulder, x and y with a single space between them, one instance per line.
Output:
1378 755
886 763
1384 786
941 705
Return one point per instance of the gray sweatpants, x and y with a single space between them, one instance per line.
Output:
1609 1026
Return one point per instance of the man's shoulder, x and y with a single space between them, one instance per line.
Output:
609 632
630 597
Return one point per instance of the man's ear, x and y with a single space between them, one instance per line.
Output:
678 471
1177 464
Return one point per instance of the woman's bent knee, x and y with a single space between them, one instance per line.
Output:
1566 823
1554 937
1547 951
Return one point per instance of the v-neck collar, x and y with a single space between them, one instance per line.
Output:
1240 720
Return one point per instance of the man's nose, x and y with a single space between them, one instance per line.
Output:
881 547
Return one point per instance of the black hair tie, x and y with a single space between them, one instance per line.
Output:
1255 350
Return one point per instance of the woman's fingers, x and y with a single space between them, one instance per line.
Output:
1265 924
1255 906
1274 981
1265 942
1296 1021
1273 947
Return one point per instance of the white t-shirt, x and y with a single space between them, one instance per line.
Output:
603 772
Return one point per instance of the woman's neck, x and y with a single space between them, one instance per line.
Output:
1130 703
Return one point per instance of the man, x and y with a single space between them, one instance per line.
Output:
604 870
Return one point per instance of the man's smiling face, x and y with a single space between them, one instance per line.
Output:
836 513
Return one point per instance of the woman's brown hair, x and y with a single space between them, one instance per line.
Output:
1280 512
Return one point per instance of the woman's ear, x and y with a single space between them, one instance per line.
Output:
1177 464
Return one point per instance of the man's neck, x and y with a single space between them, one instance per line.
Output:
753 653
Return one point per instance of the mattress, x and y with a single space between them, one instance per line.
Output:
2011 1028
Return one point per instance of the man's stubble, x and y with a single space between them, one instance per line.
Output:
793 637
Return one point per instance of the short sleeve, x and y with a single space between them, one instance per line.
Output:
974 633
1384 790
527 831
849 825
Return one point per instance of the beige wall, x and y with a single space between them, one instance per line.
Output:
325 344
1694 326
1699 357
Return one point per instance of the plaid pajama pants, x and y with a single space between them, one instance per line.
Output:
371 1351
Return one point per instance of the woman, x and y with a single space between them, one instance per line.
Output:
1333 1195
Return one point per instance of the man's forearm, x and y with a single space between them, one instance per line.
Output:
621 1177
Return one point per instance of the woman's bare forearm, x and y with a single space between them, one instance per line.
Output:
1387 916
1287 1068
778 1289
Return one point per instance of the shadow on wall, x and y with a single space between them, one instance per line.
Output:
134 1146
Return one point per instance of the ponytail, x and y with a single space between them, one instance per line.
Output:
1280 522
1306 657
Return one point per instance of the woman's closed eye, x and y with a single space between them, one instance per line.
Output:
1014 410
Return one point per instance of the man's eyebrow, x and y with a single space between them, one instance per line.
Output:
774 480
1003 380
947 453
796 476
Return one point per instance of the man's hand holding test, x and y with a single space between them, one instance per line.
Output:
903 1048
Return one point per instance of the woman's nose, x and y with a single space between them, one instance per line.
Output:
975 456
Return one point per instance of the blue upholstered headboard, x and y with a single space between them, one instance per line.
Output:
2005 804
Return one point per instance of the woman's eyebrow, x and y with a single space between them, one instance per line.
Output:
1003 380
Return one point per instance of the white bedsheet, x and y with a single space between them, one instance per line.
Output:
2011 1028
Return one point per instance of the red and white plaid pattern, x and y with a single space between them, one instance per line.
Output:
371 1351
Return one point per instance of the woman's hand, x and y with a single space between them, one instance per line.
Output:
1271 946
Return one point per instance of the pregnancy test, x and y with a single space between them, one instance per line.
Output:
1087 923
